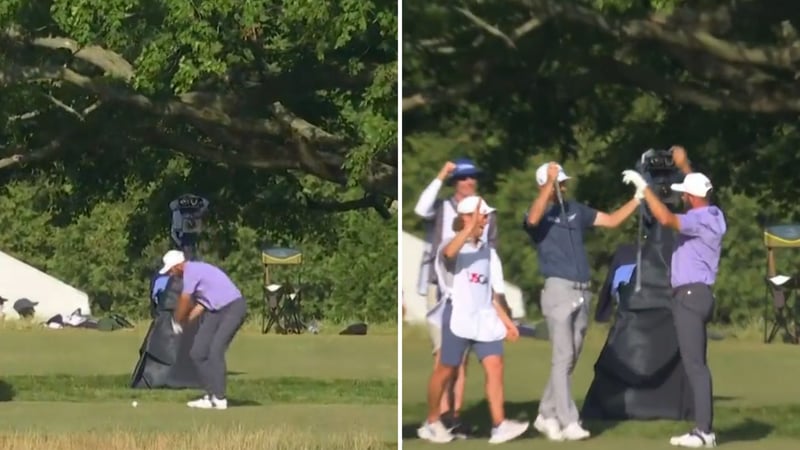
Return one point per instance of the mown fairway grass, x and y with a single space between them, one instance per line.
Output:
757 387
67 389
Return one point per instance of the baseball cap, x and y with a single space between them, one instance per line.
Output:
694 183
465 168
171 259
541 174
468 204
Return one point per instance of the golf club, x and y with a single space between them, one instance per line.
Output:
557 187
639 249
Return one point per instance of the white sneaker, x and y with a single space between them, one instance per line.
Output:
203 402
695 439
219 403
575 432
508 430
549 427
207 402
434 432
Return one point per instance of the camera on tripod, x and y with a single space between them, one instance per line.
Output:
658 169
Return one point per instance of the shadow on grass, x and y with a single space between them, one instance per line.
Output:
476 416
746 430
6 392
238 402
599 426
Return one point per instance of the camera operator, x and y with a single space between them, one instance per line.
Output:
556 228
694 266
470 316
187 211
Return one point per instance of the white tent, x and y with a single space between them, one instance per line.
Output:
412 249
19 280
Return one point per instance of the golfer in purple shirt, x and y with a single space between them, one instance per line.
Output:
221 309
695 261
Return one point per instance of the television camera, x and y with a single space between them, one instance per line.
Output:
658 169
187 222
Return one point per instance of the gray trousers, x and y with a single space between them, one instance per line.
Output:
567 320
691 311
214 336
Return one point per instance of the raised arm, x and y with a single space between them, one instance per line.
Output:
452 249
660 211
680 159
616 218
537 209
425 205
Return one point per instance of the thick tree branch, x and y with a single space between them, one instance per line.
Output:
44 152
760 101
694 38
110 62
282 140
367 201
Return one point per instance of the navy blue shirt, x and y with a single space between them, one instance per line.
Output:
551 238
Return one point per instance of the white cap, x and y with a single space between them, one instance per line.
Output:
541 174
171 259
694 183
467 205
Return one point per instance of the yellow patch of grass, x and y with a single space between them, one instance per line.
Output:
201 439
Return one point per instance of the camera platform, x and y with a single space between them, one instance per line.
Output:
282 301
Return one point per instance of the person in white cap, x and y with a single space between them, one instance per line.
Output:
221 309
556 227
694 266
470 317
438 213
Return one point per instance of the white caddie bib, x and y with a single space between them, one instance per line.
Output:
473 315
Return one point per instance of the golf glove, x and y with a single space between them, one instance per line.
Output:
635 178
176 327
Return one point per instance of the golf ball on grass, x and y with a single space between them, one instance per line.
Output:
134 403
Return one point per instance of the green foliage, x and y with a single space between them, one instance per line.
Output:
94 213
545 101
109 244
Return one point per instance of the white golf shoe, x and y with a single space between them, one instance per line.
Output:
434 432
695 439
508 430
575 432
549 427
208 402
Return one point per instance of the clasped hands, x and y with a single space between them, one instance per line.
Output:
635 178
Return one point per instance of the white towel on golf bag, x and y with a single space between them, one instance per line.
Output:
473 315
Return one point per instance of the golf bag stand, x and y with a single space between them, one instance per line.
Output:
282 306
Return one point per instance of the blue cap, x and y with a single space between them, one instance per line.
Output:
465 168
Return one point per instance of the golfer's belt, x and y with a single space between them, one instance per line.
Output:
582 286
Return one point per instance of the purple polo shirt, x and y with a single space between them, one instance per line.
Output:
209 284
698 246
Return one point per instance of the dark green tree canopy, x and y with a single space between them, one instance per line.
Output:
594 84
305 86
282 113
